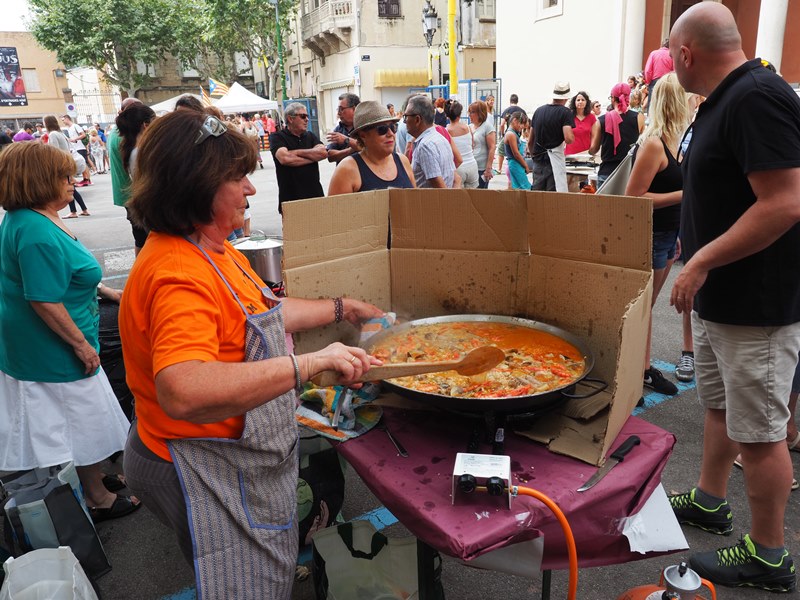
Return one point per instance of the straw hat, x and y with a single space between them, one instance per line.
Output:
370 112
561 90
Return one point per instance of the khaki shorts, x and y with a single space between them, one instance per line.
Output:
748 372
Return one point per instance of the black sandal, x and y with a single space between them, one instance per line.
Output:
121 507
114 483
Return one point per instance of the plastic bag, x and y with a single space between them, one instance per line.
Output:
52 573
354 562
46 509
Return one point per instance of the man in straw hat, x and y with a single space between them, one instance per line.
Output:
551 131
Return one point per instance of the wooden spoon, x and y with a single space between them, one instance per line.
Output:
477 361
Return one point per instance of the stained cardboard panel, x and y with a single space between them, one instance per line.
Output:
590 301
362 276
323 229
459 220
427 283
629 364
580 439
608 230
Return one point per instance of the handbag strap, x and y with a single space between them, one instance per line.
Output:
378 542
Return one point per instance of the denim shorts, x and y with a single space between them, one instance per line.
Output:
664 243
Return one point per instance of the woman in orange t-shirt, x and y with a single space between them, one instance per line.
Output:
213 451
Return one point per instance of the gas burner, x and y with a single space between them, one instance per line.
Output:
490 426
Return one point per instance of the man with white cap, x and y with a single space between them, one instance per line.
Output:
551 131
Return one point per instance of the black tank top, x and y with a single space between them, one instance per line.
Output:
370 181
628 133
668 180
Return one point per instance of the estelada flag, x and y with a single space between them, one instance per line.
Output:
216 88
204 97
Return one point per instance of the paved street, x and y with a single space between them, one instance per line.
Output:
147 563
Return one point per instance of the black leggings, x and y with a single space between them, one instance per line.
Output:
76 197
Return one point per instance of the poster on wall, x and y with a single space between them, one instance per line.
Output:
12 87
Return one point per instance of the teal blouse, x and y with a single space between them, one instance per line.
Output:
42 263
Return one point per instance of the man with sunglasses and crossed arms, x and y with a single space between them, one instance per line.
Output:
296 152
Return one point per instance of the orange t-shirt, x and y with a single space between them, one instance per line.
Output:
176 308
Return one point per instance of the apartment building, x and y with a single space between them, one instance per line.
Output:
377 49
43 84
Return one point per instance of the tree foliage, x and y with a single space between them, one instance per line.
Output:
124 38
244 26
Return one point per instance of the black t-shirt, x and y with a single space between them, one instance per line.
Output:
749 123
295 183
628 134
514 108
548 124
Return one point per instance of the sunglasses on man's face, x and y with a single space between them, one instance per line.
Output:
303 116
405 116
383 129
212 126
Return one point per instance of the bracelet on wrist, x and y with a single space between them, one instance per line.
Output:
298 380
338 310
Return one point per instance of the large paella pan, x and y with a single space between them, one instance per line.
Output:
543 363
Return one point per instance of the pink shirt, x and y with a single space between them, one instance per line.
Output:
583 135
659 63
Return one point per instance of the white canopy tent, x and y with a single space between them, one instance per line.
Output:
169 105
239 99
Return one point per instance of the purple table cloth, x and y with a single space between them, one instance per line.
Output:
417 489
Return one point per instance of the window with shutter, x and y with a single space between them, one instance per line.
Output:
388 9
486 9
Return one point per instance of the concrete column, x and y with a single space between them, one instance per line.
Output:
633 49
771 28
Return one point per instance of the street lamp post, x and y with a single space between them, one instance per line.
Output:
280 48
430 21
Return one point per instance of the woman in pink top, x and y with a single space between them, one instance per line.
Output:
584 119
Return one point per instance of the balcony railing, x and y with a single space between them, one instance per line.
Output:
331 15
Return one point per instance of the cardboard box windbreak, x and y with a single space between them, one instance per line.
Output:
579 262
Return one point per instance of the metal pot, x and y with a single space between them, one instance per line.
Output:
509 403
265 254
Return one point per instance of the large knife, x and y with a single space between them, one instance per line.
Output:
617 457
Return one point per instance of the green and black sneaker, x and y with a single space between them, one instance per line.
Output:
740 566
716 519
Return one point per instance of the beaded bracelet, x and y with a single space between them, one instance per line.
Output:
338 310
297 379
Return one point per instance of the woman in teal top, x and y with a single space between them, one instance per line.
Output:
56 404
517 167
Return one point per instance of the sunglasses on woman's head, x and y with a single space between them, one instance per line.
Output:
384 129
212 126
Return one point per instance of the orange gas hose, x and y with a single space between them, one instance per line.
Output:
572 591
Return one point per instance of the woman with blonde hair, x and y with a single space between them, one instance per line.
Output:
485 139
656 175
463 139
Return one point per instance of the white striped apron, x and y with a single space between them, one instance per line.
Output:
241 493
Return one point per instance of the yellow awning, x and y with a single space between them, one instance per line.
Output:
401 78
